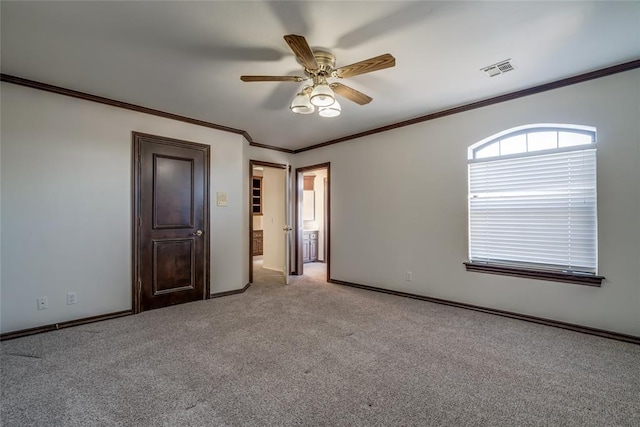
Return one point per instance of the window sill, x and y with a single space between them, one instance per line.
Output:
580 279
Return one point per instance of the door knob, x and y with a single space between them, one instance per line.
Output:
197 233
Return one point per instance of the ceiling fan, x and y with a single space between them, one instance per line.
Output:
318 66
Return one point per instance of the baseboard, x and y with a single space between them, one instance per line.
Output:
233 292
570 326
62 325
83 321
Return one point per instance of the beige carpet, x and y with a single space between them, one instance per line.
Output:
317 354
316 271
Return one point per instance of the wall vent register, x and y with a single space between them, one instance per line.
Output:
499 68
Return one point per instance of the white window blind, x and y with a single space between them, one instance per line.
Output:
535 211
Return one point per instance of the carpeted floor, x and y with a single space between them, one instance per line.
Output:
317 354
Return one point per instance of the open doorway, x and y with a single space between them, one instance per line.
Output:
312 207
268 226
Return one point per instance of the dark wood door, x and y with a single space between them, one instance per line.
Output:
172 210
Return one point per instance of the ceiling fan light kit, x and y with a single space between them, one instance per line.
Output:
322 95
301 104
332 110
318 65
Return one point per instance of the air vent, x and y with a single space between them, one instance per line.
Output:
499 68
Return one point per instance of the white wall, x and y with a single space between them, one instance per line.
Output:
66 205
273 218
399 203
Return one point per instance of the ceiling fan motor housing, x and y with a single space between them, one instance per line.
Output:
326 64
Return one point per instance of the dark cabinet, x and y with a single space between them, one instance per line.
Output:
310 246
256 195
256 246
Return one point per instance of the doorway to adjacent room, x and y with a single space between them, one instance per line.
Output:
270 230
312 207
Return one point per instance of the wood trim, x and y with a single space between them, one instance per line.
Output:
206 149
207 224
534 319
233 292
326 165
268 164
552 276
62 325
246 136
289 217
619 68
92 319
120 104
136 174
133 107
272 147
627 66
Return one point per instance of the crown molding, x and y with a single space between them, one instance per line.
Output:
272 147
120 104
627 66
603 72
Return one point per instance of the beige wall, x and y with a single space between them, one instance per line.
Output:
66 205
66 190
411 214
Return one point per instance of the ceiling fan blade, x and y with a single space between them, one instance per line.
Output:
368 65
272 78
350 93
303 52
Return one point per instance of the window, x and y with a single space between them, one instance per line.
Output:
532 204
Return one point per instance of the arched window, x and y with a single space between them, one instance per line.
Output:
532 202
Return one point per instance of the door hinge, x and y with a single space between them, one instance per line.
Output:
139 285
139 221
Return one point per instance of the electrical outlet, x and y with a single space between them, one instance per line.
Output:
43 303
409 276
71 298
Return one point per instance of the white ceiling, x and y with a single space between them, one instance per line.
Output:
186 57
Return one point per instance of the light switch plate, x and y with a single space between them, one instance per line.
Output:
221 198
